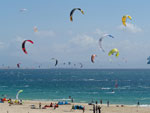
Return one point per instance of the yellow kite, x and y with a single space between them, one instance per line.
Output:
124 19
115 50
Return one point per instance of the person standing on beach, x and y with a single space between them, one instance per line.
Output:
40 105
108 103
96 106
93 108
99 109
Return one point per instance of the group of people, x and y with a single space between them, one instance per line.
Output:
96 107
101 102
74 107
2 100
47 106
10 102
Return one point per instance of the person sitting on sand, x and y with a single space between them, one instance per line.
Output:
83 109
51 104
56 106
10 101
73 107
20 102
2 100
16 101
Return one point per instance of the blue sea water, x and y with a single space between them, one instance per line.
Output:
83 85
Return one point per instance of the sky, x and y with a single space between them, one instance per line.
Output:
76 41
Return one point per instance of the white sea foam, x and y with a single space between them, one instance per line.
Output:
145 105
89 79
3 86
145 87
111 92
105 88
26 85
63 99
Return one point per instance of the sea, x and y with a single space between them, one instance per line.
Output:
118 86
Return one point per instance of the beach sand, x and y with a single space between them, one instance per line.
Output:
26 108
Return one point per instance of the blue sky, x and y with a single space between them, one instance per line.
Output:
74 41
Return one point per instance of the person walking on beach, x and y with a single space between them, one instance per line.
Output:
108 103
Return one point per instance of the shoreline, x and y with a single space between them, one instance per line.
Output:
83 103
26 108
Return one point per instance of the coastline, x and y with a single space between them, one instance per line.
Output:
26 108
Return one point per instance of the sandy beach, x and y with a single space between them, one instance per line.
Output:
26 108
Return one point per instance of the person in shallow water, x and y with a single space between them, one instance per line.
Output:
101 101
72 100
108 103
138 103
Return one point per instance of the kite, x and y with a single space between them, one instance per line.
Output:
81 65
18 65
56 61
93 58
20 91
71 13
124 19
100 40
23 45
35 29
115 50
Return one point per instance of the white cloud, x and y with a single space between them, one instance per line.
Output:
83 40
130 28
19 39
70 32
45 33
2 45
99 32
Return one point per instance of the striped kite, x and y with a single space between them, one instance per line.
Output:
23 45
71 13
